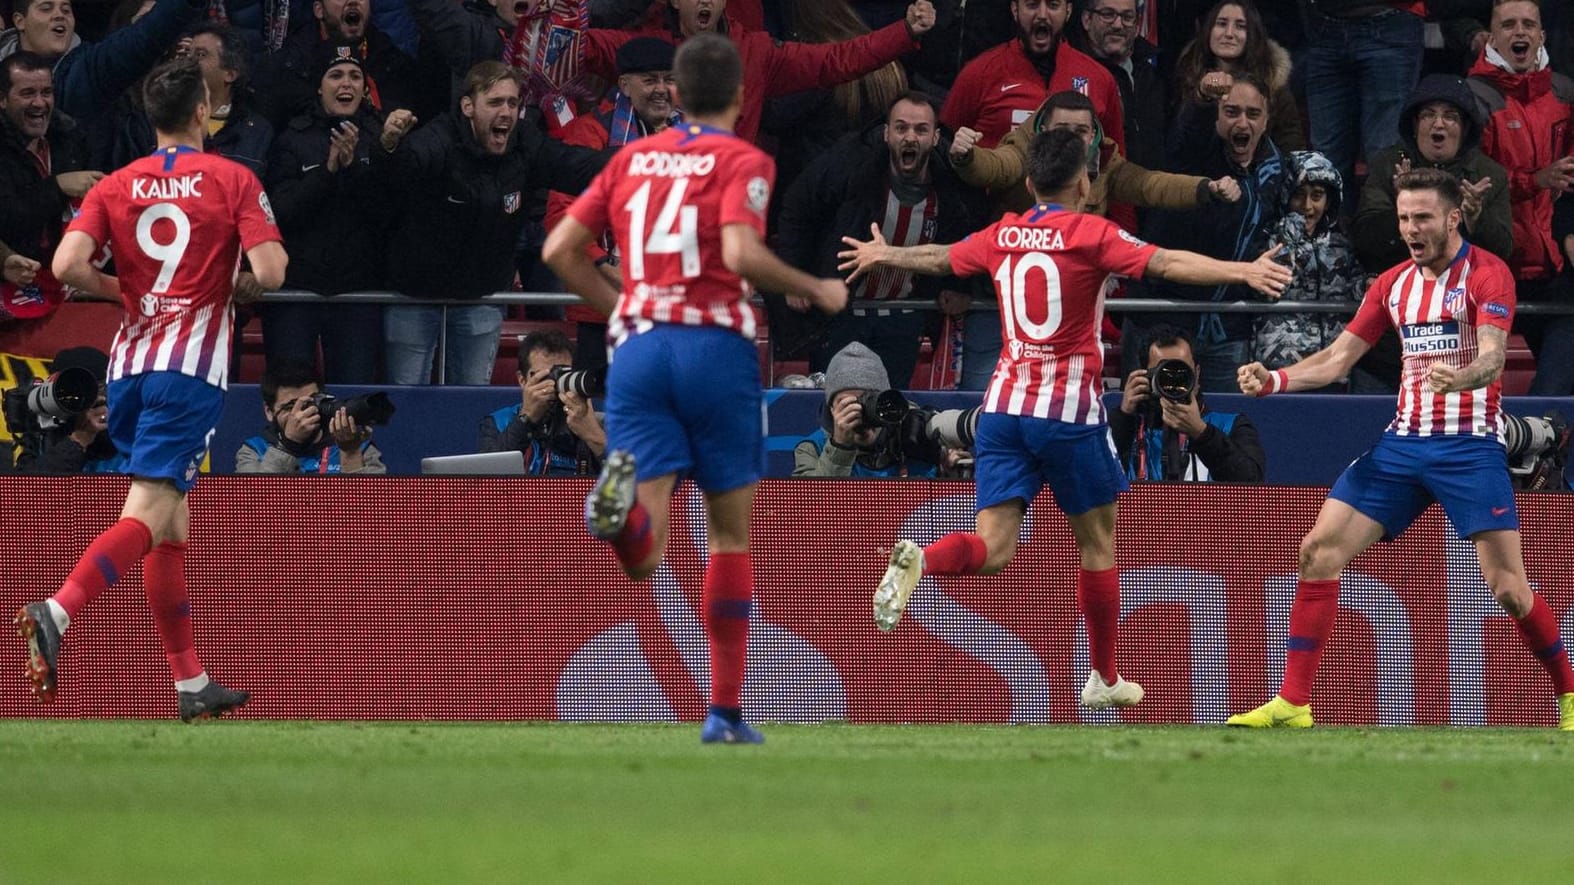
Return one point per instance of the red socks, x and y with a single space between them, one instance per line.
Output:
164 573
1539 631
959 553
728 601
109 556
1311 623
632 544
1098 596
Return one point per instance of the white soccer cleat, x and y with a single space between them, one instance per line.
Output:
1098 694
901 576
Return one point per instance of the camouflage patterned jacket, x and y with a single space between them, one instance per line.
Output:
1325 270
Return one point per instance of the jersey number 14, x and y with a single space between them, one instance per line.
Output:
676 231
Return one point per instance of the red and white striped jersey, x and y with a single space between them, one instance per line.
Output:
902 224
1438 321
1050 267
666 198
178 222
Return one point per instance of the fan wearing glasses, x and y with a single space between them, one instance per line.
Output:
1109 34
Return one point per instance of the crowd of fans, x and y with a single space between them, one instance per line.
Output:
424 146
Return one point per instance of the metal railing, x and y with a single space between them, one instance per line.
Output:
1114 305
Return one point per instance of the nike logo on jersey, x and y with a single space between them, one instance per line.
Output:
456 202
1009 86
1499 511
311 167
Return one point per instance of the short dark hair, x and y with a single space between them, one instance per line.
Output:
913 96
233 55
287 374
1055 159
545 341
172 92
1166 335
1430 179
1255 82
1069 100
19 62
708 72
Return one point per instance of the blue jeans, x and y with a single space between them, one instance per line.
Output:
1217 362
1359 74
981 343
411 333
351 335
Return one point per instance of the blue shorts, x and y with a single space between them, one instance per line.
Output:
686 400
1016 456
1397 478
162 422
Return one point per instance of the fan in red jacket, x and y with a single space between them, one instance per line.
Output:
772 68
1004 86
1528 133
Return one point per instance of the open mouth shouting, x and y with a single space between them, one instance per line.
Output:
496 140
1241 143
35 120
1041 37
1520 54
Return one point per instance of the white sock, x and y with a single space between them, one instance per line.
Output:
194 684
58 612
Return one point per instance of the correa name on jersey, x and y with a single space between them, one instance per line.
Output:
1029 239
660 164
166 188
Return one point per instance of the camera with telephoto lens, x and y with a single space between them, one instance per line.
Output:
588 383
366 410
50 403
1538 451
1174 380
881 408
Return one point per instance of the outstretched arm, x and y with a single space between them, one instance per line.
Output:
1318 370
1179 266
862 257
746 255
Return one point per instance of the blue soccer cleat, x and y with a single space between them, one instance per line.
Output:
721 730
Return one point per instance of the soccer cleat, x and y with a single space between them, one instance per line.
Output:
719 729
901 576
611 498
1566 711
1098 694
35 624
213 701
1277 713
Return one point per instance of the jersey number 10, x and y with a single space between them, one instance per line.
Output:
1016 287
676 231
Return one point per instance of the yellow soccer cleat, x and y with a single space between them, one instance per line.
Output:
1277 713
1566 711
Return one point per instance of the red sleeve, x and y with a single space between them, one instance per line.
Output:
1122 253
94 217
1371 319
1492 296
592 207
793 67
961 103
254 215
583 132
746 194
971 255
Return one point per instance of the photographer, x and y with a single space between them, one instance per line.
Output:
558 432
297 440
80 443
854 442
1164 431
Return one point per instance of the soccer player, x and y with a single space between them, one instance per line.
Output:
177 222
1453 304
687 207
1042 420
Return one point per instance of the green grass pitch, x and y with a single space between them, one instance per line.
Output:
253 801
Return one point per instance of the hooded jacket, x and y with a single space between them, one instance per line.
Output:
1528 127
1284 115
456 236
1376 228
287 80
854 367
1325 270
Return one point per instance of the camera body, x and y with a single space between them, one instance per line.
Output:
1537 450
49 403
1174 380
920 433
369 409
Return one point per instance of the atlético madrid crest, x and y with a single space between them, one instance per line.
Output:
1080 84
511 202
